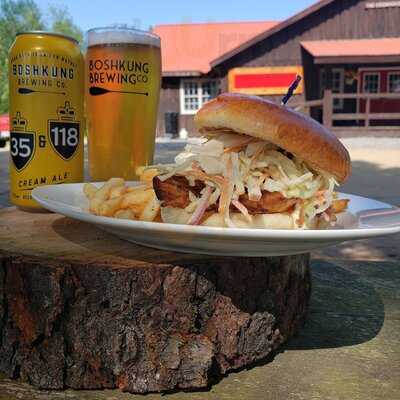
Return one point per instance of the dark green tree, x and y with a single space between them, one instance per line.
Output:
61 21
15 16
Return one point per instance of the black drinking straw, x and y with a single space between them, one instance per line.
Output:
291 89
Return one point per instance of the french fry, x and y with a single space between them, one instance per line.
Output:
150 210
89 190
339 206
125 214
103 194
143 186
115 199
139 170
136 198
94 205
112 182
109 207
148 174
137 209
117 191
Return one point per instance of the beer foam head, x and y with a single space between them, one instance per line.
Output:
117 35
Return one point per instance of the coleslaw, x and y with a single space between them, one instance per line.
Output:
232 165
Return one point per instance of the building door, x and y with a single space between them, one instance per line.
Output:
337 85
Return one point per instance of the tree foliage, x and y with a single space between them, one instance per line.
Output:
61 21
24 15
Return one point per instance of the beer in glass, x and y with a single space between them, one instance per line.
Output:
123 76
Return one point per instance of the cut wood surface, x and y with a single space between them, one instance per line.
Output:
80 308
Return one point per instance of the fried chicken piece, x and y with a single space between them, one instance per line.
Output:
339 206
174 192
270 202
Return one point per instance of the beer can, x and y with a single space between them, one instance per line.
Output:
46 113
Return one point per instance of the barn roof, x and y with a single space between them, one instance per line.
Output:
188 49
324 50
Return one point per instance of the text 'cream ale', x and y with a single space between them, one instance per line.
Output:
123 76
46 113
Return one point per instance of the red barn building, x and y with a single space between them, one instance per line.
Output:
350 47
188 79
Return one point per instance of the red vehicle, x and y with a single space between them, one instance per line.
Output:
4 129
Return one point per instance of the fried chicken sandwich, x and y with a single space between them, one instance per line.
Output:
261 165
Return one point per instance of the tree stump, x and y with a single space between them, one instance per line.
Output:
80 308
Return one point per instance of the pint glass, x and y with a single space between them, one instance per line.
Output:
123 76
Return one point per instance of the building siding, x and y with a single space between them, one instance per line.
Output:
169 102
340 20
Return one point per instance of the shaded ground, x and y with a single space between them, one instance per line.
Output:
381 182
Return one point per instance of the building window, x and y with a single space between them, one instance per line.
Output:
337 85
393 82
371 82
190 96
194 93
209 90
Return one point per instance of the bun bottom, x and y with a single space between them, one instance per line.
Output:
173 215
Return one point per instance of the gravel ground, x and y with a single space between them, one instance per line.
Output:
372 143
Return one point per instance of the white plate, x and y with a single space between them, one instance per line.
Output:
365 218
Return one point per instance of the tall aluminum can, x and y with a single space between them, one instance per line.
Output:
46 113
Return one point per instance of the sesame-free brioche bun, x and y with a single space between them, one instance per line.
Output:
292 131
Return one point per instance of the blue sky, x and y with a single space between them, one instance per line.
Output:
143 13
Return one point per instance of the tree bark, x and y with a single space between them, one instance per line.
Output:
82 309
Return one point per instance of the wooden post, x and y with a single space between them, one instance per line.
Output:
327 108
367 111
